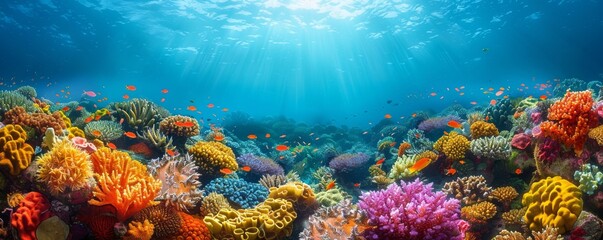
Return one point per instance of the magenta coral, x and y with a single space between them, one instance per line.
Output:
412 211
521 141
547 151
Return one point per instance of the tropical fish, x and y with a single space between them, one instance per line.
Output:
224 109
162 99
131 87
111 145
88 119
219 137
543 97
226 171
473 102
89 93
246 168
454 124
164 91
267 135
414 115
281 148
500 92
65 109
130 134
126 96
191 108
79 108
211 105
387 116
380 161
518 171
433 94
462 162
252 136
356 184
96 133
330 185
493 102
121 121
184 124
420 165
98 117
170 152
450 171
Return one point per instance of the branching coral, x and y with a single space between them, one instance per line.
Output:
104 130
452 145
469 190
513 217
504 195
491 147
179 177
15 154
339 222
479 213
139 113
38 121
481 129
242 193
157 139
122 182
570 119
418 141
179 126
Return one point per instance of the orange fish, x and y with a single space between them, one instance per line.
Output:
246 168
380 161
450 171
96 133
543 97
462 162
473 102
121 121
126 96
417 135
219 137
518 171
493 102
267 135
499 93
224 109
79 108
356 184
65 109
131 87
252 136
88 119
414 115
111 145
211 105
454 124
387 116
191 108
170 152
226 171
433 94
164 91
420 165
130 134
281 148
330 185
487 118
517 114
184 124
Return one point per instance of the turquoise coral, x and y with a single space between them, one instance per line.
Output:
590 178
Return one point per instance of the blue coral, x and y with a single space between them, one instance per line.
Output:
238 191
418 142
500 113
260 165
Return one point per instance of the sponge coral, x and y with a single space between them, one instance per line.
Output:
411 211
452 145
15 154
481 129
32 210
65 169
122 182
553 201
570 120
211 157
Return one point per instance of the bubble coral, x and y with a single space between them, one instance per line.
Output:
481 129
238 191
570 119
452 145
552 201
211 157
65 169
169 126
411 211
179 178
478 213
38 121
107 130
192 228
338 222
32 210
212 203
469 190
122 183
495 147
15 154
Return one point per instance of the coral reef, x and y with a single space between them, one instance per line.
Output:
491 147
15 154
499 113
139 113
469 190
238 191
11 99
589 177
166 221
331 197
179 126
212 203
338 222
260 166
418 142
478 213
453 145
104 130
481 129
38 121
269 181
179 178
32 210
400 169
211 157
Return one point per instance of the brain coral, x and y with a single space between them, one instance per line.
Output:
180 181
480 129
180 126
238 191
211 157
553 201
65 169
300 194
15 154
452 145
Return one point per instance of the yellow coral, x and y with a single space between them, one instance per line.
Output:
513 217
478 213
211 157
140 231
452 145
75 132
14 199
504 194
597 134
400 169
66 119
427 154
481 129
15 154
122 182
271 219
168 126
300 194
552 201
212 203
65 167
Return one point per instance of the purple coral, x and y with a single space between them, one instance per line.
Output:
412 211
521 141
437 123
260 165
347 163
547 151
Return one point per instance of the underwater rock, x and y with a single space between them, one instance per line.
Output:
588 227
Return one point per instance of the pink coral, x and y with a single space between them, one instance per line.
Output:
521 141
83 144
547 151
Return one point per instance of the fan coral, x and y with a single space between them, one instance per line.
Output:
597 134
339 222
411 211
589 178
570 120
260 166
11 99
179 177
452 145
139 113
244 194
270 219
165 220
478 213
140 230
38 121
300 194
122 182
65 170
481 129
15 154
349 164
552 201
491 147
179 126
269 181
469 190
211 157
212 204
521 141
31 212
104 130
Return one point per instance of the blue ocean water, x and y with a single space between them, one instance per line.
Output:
337 62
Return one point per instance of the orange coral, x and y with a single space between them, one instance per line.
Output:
478 213
402 149
39 121
142 149
192 228
453 145
15 154
122 182
140 230
480 129
33 209
570 120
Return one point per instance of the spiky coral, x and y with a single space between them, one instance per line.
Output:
269 181
211 157
570 119
15 154
597 134
65 169
452 145
38 121
469 190
104 130
513 217
122 182
179 177
479 213
139 113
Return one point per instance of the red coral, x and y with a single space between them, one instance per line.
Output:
32 210
100 220
192 228
570 119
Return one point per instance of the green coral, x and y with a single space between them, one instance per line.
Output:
108 130
139 113
331 197
589 177
157 139
11 99
400 169
27 91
